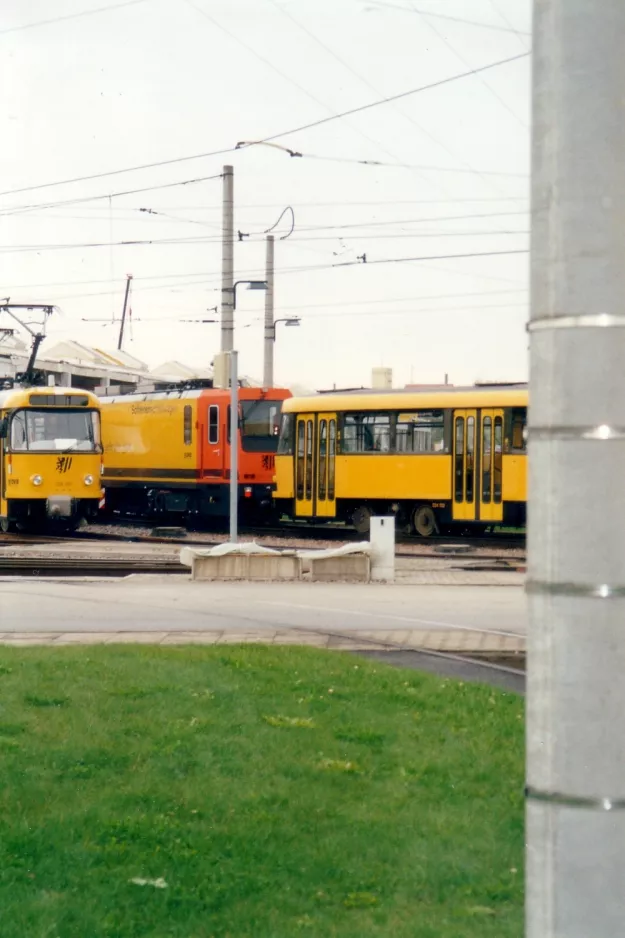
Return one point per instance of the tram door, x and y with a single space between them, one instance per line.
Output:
304 448
464 478
325 473
315 462
491 455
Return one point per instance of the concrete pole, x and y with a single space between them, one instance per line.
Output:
234 447
575 885
227 262
270 334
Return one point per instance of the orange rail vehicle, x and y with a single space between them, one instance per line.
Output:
167 453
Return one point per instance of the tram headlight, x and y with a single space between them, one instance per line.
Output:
88 480
36 480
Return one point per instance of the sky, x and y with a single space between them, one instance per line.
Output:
432 188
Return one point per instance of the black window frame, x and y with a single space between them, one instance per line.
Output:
187 424
11 414
213 411
515 415
286 437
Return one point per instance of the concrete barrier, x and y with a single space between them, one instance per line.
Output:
246 567
246 561
352 567
351 562
250 561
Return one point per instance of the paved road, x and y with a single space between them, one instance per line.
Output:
171 604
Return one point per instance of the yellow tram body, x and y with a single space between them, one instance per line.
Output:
50 457
434 458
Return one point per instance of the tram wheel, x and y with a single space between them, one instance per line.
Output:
6 526
361 519
424 521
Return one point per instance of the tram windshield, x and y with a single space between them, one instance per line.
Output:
55 430
260 426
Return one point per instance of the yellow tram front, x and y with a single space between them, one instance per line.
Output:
50 458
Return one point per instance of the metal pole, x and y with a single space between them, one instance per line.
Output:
575 830
270 333
123 322
234 447
227 262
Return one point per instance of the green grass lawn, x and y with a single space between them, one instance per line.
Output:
276 792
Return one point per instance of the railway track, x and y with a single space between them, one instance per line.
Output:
87 566
467 555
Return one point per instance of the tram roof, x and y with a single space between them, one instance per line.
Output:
20 396
428 399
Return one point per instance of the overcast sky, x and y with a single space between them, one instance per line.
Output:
152 81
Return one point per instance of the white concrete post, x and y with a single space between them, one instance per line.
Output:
382 539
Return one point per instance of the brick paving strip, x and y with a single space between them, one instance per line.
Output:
449 640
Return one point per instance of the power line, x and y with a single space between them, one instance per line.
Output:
334 204
117 172
397 97
198 239
284 76
340 314
392 260
433 169
439 257
176 218
18 210
402 299
357 75
409 234
284 133
43 206
502 16
317 267
412 221
444 16
411 312
70 16
464 61
407 117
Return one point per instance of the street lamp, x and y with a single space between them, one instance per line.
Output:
251 285
290 321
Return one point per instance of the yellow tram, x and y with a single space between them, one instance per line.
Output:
50 457
436 459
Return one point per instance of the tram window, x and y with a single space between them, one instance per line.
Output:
309 458
323 443
470 457
285 441
487 457
459 467
497 460
366 433
213 423
18 432
518 431
187 424
331 458
55 429
260 426
301 427
422 431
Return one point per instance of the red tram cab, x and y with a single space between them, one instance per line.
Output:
167 453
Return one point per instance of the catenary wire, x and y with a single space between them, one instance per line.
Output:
284 133
70 16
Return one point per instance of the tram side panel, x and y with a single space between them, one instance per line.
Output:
150 454
169 454
431 467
